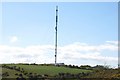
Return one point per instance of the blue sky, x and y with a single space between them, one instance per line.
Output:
89 24
84 22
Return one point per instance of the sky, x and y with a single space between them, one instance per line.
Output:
87 32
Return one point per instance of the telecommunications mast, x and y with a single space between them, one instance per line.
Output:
56 35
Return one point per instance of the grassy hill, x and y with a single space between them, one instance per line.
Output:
43 72
16 70
11 73
50 70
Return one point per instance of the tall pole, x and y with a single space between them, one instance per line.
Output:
56 35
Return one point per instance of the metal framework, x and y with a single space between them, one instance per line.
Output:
56 35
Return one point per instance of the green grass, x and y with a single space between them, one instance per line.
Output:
11 73
50 70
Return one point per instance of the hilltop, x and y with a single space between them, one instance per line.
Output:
51 72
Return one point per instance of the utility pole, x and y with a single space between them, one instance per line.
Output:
56 35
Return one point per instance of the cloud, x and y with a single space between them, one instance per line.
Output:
82 51
13 39
113 42
73 53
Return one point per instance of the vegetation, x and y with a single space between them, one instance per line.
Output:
62 72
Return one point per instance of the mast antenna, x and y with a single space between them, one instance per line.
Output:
56 35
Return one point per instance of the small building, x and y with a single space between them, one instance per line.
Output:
60 64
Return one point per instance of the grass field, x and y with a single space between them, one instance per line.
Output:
30 72
49 70
11 73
